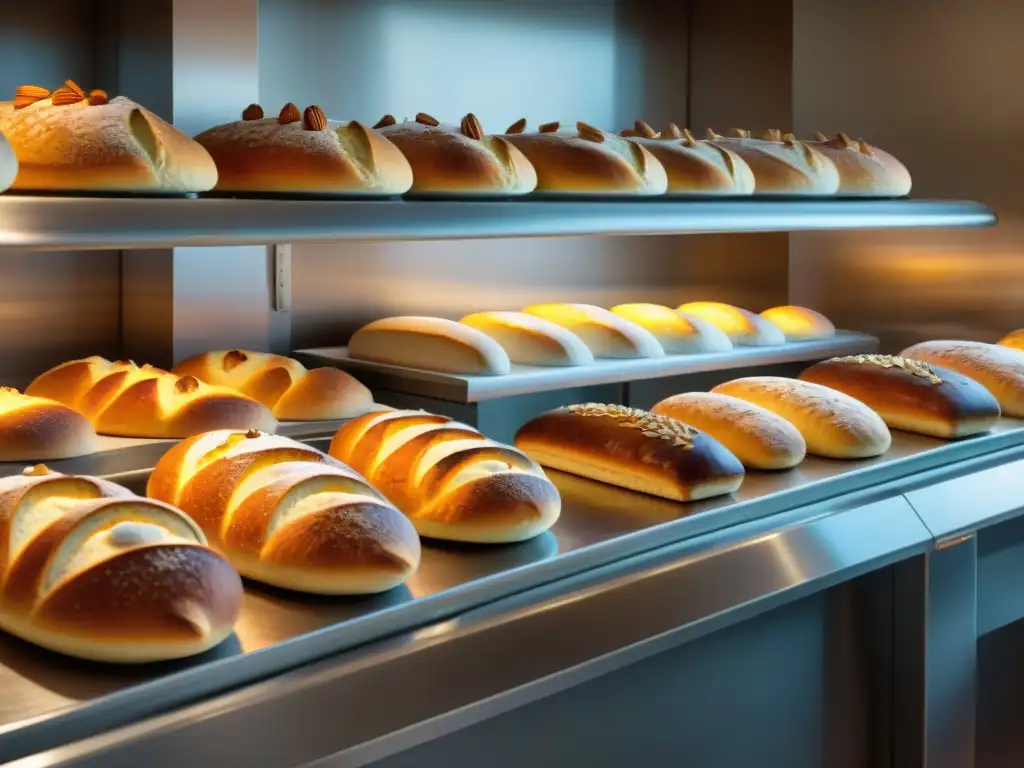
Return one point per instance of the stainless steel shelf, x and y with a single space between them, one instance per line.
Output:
41 223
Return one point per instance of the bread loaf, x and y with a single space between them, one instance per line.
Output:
999 369
759 438
678 333
131 401
304 152
37 429
72 140
833 425
1014 340
781 164
429 343
911 395
581 159
863 169
450 480
530 340
800 323
605 333
743 327
284 385
91 570
459 159
288 515
632 449
8 164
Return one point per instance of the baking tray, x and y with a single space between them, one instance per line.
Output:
51 700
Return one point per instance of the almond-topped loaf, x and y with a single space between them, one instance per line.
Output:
782 165
863 169
998 368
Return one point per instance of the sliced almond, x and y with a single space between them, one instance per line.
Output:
424 119
772 134
29 94
314 119
672 131
550 127
517 127
98 97
740 133
644 129
789 140
471 127
186 384
845 140
865 148
289 114
384 122
71 85
819 136
63 97
712 136
252 112
589 132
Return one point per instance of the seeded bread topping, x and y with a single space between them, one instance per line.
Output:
651 424
914 367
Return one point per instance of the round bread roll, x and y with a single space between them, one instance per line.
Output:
38 429
678 333
530 340
604 332
759 438
863 169
8 164
999 369
458 159
800 323
1014 340
431 344
911 395
304 152
833 425
744 328
781 164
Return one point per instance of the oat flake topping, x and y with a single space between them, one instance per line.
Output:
915 367
651 424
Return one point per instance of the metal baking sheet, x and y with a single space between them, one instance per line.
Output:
51 700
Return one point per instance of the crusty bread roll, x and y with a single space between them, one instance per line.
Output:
999 369
530 340
800 323
604 332
127 400
93 571
744 328
8 164
911 395
781 164
863 169
72 140
304 152
581 159
632 449
450 480
678 333
288 515
459 159
285 386
759 438
833 425
1013 340
38 429
429 343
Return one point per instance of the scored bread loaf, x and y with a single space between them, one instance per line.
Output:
759 438
744 328
911 395
1013 340
458 159
304 152
800 323
605 333
73 140
833 425
450 480
678 333
781 164
8 164
530 340
288 515
863 169
39 429
429 343
999 369
285 386
127 400
633 449
93 571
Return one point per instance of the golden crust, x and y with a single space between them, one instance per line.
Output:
863 169
784 168
701 168
39 429
999 369
800 323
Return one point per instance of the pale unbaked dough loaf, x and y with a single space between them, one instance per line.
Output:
743 327
530 340
677 332
604 332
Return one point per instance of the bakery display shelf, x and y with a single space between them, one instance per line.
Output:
52 700
42 222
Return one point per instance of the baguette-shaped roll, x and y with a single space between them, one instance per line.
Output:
288 515
678 333
530 340
759 438
864 169
581 159
304 152
744 328
833 425
800 323
782 165
911 395
127 400
450 480
999 369
8 164
431 344
1014 340
459 159
633 449
285 386
93 571
38 429
604 332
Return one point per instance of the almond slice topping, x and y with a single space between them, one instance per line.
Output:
518 126
672 131
252 112
385 121
424 119
712 136
29 94
98 97
644 129
63 97
865 148
819 136
289 114
589 132
71 85
772 134
740 133
186 384
845 140
314 119
550 127
789 140
471 127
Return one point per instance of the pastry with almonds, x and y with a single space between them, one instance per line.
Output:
743 327
677 332
800 323
40 429
1013 340
304 152
864 170
782 165
1000 369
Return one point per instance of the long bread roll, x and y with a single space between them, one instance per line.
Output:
863 169
677 332
8 164
744 328
93 571
450 480
604 332
38 429
429 343
288 515
1013 340
142 401
800 323
999 369
782 165
530 340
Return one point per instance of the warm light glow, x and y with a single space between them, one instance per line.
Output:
655 318
800 323
1014 340
730 319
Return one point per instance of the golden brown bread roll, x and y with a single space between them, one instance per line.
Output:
8 164
911 395
605 333
91 570
530 340
781 164
632 449
450 480
833 425
431 344
759 438
304 152
864 169
127 400
678 333
1014 340
72 140
800 323
288 515
285 386
999 369
744 328
38 429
